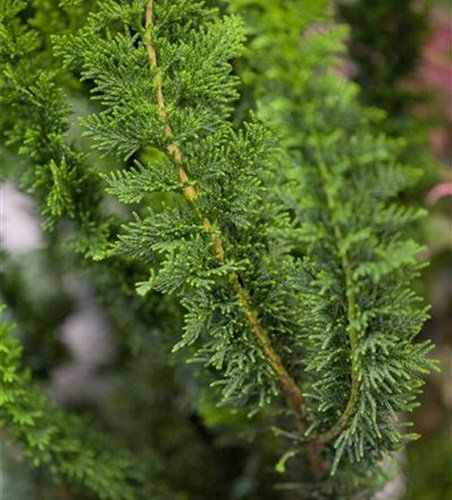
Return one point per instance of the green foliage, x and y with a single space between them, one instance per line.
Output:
15 39
74 450
386 41
36 112
385 46
281 241
225 167
360 314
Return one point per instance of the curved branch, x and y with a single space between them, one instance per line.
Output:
291 390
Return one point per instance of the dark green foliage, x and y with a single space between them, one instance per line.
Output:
386 44
386 40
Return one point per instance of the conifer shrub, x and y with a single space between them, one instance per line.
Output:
238 216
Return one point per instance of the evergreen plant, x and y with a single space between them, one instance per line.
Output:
270 252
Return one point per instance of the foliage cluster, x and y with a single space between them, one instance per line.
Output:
274 240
